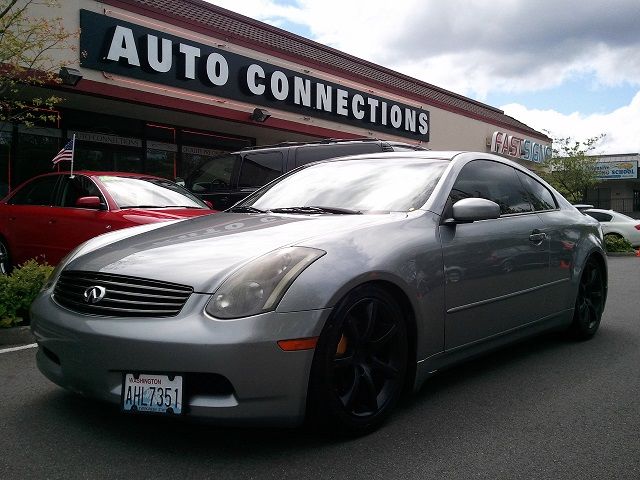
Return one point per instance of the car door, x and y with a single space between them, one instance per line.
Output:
70 225
27 217
495 270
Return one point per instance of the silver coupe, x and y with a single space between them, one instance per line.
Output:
325 295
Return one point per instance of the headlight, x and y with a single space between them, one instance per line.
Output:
260 285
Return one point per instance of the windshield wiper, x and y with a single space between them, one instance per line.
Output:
245 209
316 209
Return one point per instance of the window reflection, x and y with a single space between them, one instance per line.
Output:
362 185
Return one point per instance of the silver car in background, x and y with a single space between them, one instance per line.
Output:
324 295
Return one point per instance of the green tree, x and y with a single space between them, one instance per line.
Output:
571 170
33 48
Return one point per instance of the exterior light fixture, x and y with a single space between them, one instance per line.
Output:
70 76
259 115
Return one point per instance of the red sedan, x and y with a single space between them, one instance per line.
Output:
49 215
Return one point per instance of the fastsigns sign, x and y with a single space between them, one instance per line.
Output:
521 148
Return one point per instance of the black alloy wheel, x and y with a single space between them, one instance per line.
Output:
360 363
5 263
589 302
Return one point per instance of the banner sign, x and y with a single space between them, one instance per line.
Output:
520 148
617 170
112 45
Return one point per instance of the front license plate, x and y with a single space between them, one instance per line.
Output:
152 393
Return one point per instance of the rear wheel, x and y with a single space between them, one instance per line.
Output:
5 261
589 301
360 363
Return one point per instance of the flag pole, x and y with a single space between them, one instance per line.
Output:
73 151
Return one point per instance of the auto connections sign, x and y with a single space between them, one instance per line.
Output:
115 46
616 170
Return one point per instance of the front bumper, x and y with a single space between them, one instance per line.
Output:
234 371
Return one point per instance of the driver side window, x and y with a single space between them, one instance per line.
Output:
492 181
77 187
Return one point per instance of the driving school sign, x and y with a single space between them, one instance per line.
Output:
126 49
617 170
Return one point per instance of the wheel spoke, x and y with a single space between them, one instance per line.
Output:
378 344
352 328
350 396
387 370
371 317
370 391
343 362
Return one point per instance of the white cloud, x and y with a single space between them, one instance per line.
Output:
621 126
471 46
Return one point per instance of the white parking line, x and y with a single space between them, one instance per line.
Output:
15 349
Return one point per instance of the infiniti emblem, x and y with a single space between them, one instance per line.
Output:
94 294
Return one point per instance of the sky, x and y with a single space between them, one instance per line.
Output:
569 69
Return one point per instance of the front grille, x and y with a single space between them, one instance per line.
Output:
123 296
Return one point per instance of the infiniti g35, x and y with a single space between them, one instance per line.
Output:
324 295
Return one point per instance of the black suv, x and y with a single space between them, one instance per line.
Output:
227 179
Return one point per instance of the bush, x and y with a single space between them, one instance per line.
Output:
613 243
19 289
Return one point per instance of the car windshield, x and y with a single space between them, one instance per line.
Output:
351 186
131 192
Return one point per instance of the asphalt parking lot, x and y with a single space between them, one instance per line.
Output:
546 408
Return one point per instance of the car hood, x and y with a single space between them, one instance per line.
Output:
201 252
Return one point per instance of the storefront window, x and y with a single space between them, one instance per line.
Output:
161 159
35 151
199 148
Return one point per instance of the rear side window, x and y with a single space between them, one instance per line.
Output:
493 181
601 217
314 153
38 192
540 196
260 168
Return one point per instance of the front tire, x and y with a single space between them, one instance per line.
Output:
589 302
5 260
360 363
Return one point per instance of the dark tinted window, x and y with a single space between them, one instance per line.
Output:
37 192
493 181
540 196
601 217
213 175
314 153
259 169
78 187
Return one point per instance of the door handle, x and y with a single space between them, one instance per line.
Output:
537 236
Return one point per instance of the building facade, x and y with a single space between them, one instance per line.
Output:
619 186
159 86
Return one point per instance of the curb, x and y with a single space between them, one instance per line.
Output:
622 254
16 336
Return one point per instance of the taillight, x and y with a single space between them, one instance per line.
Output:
637 227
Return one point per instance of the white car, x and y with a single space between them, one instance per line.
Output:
617 224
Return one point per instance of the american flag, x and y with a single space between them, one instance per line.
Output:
65 154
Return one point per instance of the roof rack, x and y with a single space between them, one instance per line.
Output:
324 141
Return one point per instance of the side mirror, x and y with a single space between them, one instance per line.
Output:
470 210
89 202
